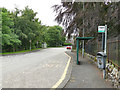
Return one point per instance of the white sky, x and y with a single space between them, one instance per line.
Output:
43 7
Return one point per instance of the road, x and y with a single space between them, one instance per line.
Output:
40 69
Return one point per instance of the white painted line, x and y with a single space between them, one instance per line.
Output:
64 74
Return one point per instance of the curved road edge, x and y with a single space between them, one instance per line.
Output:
66 75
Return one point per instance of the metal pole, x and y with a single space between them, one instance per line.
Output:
77 51
105 51
83 31
103 42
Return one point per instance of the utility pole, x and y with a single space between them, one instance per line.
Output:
83 31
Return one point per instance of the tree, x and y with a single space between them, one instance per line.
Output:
71 14
9 38
54 36
19 27
27 27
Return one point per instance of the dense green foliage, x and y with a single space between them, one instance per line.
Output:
54 37
9 38
21 29
67 44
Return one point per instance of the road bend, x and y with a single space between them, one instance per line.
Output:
41 69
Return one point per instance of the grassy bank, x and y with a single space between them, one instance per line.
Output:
17 52
24 51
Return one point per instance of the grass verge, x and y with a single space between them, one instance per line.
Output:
23 51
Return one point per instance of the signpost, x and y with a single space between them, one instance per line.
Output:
105 51
103 30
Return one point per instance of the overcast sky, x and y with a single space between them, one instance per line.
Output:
43 7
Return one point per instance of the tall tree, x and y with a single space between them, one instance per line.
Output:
27 26
54 36
9 38
71 14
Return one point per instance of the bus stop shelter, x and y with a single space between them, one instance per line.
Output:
77 45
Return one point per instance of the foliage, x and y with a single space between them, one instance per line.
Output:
54 37
9 38
67 44
21 28
71 14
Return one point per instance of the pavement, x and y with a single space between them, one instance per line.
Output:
85 75
41 69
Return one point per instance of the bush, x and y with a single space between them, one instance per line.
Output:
67 44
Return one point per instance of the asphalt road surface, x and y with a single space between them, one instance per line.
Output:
41 69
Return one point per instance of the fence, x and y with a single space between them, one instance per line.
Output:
113 49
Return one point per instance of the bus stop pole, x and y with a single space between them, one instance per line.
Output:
77 51
105 51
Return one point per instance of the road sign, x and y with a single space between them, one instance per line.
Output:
101 29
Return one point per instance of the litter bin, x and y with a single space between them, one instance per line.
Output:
101 59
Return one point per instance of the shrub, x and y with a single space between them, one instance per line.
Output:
67 44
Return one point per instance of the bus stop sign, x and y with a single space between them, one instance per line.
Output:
101 29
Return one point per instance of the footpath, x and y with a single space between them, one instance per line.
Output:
85 75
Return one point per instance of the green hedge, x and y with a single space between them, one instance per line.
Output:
67 44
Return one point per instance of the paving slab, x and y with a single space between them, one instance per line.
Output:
85 75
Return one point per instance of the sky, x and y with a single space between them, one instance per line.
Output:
43 7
